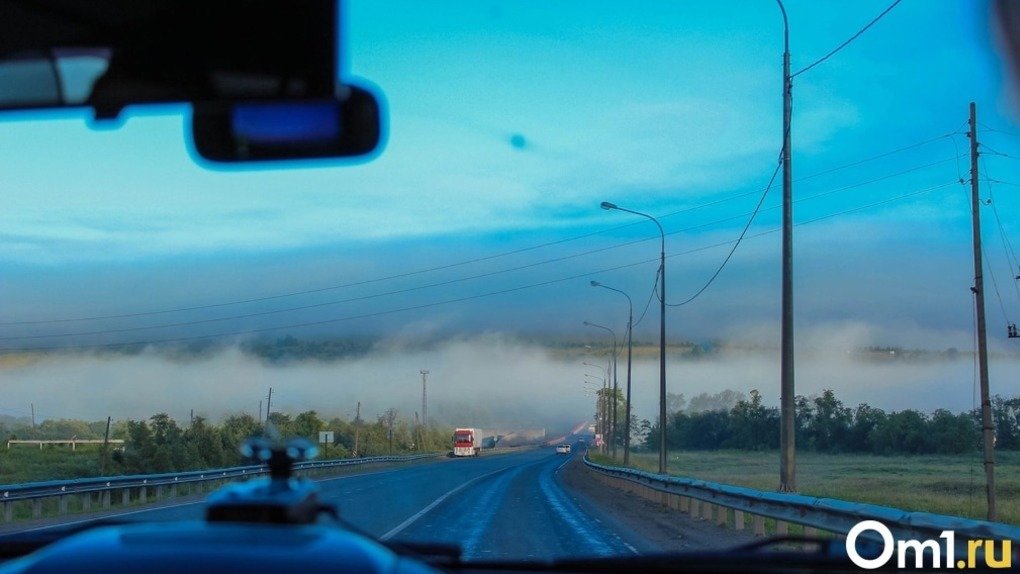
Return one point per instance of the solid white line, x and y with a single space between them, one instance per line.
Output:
177 505
105 516
436 503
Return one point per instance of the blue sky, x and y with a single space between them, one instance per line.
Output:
507 126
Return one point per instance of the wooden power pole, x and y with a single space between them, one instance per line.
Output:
987 427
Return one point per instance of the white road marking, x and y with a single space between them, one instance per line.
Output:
434 504
177 505
105 516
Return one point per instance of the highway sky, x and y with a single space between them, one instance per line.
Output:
507 126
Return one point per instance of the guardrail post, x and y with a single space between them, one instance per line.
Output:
36 508
125 496
782 528
738 519
759 525
159 492
86 502
722 516
143 494
695 508
106 499
685 505
63 505
8 510
173 490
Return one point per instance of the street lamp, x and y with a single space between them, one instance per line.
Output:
662 334
630 326
787 433
601 406
612 415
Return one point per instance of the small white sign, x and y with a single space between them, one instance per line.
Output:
326 436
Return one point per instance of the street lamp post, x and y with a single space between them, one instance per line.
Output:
630 326
662 333
787 432
601 405
612 414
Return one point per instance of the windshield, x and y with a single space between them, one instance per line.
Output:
466 293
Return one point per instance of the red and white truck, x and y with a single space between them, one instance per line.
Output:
467 441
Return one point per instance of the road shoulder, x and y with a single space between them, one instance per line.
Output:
654 527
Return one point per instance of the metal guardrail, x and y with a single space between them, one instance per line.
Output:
46 489
837 516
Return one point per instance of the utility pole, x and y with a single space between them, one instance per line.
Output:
787 437
357 427
417 425
988 429
106 447
260 409
269 404
32 406
612 425
192 420
424 398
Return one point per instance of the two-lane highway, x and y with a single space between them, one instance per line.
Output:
498 506
520 511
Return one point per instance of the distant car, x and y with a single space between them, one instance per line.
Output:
563 449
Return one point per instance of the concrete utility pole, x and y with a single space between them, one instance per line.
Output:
32 406
987 427
269 404
106 446
787 436
357 428
424 398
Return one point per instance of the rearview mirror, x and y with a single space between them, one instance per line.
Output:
346 126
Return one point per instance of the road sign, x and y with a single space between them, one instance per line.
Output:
326 436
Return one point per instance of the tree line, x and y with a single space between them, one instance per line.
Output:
160 444
731 420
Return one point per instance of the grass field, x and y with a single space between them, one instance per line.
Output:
24 463
942 484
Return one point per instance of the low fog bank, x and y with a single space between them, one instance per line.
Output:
489 380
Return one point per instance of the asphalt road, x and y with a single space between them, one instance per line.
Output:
498 506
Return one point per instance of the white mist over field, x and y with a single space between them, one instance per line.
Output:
485 380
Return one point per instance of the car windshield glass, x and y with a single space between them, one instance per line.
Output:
564 192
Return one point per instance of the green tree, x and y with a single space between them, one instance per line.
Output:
830 426
205 445
307 425
233 432
953 434
1006 417
866 420
752 426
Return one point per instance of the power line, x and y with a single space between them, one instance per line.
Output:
847 42
995 286
998 153
454 264
752 214
651 295
736 244
452 300
991 129
1007 245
